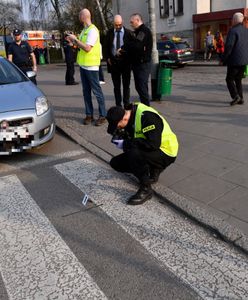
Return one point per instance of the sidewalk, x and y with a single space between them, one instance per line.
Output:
209 181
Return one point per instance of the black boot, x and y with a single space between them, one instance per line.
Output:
154 175
143 194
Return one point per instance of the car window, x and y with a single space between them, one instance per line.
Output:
9 74
182 45
165 45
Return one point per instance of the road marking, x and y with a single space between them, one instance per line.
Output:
11 166
35 262
212 268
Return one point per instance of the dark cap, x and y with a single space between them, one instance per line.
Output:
114 115
17 32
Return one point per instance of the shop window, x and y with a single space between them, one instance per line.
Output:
164 8
178 7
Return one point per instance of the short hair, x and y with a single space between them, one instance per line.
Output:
238 17
137 15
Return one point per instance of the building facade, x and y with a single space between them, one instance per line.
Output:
188 19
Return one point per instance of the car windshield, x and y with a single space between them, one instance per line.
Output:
9 74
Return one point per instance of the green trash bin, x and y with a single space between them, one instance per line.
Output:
42 59
164 77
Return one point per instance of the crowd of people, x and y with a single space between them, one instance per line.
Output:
148 143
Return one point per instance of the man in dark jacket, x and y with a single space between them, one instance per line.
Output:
70 55
236 58
119 65
139 51
148 143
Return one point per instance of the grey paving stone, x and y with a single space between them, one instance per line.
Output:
203 187
234 203
187 154
226 149
238 176
174 173
212 165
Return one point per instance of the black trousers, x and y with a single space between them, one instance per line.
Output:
139 163
121 72
141 74
70 70
234 80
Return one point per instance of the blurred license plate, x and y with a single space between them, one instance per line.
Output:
188 52
11 134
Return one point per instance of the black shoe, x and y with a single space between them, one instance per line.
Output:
154 175
143 194
235 100
73 83
241 101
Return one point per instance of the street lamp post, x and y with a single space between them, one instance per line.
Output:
155 61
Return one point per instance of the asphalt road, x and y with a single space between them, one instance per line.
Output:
54 247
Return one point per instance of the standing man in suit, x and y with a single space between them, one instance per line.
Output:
139 51
119 65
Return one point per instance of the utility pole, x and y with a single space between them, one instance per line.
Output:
155 61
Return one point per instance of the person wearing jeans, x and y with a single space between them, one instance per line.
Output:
89 59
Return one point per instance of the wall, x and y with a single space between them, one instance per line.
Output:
203 6
127 8
218 5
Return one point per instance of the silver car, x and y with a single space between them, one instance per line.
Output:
26 116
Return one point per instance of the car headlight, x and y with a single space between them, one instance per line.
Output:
41 105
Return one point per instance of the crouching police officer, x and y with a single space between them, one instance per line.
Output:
149 146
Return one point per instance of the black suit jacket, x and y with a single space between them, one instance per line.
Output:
123 59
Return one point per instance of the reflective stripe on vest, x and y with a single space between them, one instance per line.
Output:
169 143
93 57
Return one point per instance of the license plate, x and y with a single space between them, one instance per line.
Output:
12 134
166 52
187 52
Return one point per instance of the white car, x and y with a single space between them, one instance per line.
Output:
26 116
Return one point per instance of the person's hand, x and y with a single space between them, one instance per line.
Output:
118 143
71 37
119 52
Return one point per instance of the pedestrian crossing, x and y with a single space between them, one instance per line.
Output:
36 263
211 269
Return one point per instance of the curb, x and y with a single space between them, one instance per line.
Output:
196 212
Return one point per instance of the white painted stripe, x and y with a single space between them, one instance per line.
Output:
11 166
212 268
35 262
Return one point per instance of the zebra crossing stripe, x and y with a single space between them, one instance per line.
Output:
212 268
35 262
11 166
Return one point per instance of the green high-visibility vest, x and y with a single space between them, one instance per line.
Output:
169 143
93 57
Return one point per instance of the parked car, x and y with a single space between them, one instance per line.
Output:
178 51
26 116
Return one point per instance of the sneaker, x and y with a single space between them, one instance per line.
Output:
102 82
236 100
100 121
88 120
241 101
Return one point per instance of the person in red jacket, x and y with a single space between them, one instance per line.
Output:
219 44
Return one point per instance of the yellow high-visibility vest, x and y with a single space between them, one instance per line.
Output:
169 143
93 57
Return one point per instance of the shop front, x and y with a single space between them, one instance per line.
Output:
214 21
